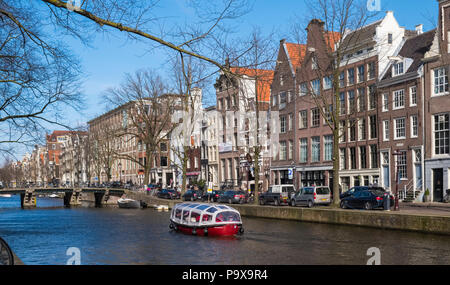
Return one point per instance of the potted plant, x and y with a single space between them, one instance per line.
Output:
426 196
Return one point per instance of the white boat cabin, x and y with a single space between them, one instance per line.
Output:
200 214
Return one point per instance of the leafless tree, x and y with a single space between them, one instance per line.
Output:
147 107
339 17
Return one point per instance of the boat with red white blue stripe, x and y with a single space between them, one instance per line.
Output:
205 219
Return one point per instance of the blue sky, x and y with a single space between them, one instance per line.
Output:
111 55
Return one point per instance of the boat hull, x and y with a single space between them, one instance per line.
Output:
219 230
129 204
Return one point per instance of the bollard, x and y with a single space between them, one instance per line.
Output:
387 202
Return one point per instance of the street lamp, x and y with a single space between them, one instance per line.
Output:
396 154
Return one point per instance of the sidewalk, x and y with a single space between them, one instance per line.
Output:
429 208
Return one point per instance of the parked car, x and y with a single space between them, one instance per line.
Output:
353 190
213 196
192 195
233 196
168 194
310 196
367 199
277 195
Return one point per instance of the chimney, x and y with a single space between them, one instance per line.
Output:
419 29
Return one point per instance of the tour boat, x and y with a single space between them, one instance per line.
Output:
206 219
128 203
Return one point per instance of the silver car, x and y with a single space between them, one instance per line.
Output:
310 196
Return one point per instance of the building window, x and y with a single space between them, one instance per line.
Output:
315 117
373 126
400 128
315 149
352 127
342 158
361 129
372 97
342 132
342 103
351 76
327 83
374 156
363 157
283 100
386 130
283 150
303 150
303 119
362 99
351 101
315 84
361 73
274 101
414 127
385 102
413 96
397 69
371 70
441 134
352 158
399 99
328 146
390 38
342 79
401 165
440 81
282 124
303 89
290 122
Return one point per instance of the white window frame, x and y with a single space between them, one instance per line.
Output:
385 103
386 130
412 91
396 102
414 125
396 128
398 68
445 83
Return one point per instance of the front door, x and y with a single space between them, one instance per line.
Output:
438 178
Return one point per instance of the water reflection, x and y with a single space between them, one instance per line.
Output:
121 236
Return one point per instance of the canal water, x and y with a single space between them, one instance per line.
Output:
141 236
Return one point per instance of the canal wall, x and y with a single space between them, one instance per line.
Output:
374 219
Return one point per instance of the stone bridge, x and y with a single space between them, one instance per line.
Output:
72 196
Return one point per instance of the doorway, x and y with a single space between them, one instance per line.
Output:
438 178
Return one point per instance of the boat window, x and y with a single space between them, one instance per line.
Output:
203 207
206 218
228 217
178 214
211 210
192 205
222 207
186 216
195 217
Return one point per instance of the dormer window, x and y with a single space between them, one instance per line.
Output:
398 68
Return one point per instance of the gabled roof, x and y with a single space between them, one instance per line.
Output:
360 36
296 53
414 48
263 77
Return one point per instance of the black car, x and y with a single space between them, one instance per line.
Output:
232 196
168 194
352 191
212 197
366 199
192 195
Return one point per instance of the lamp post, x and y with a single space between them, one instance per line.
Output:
396 153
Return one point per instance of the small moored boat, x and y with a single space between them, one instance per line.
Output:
206 219
127 203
